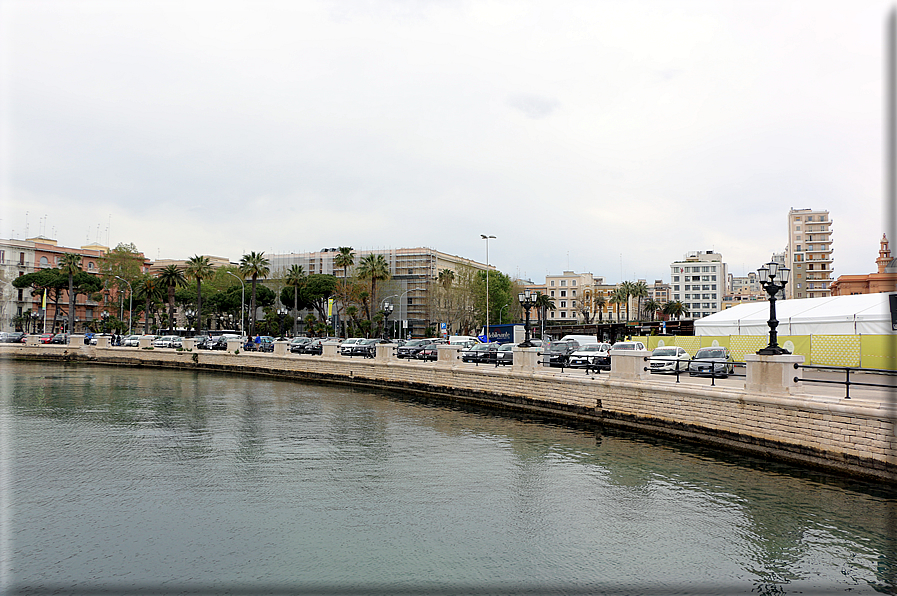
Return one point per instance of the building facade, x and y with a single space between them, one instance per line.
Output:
809 254
16 259
884 280
699 282
413 278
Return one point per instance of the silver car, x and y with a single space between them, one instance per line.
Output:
715 361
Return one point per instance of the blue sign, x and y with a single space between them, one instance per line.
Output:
501 333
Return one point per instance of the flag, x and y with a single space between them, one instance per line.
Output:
44 304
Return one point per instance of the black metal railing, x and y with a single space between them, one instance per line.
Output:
728 370
848 370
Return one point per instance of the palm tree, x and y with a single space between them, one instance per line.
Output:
150 290
345 259
675 309
638 290
599 305
446 278
295 278
373 267
70 263
651 307
199 268
171 277
620 296
254 265
625 289
543 303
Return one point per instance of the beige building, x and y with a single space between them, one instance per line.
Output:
809 254
699 282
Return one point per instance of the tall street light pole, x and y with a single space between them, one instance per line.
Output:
768 275
486 238
130 301
242 300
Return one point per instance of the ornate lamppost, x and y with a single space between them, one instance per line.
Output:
190 314
105 318
387 310
773 279
34 317
281 315
527 301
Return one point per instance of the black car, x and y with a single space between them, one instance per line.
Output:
428 351
558 352
315 347
221 342
298 343
60 338
368 347
12 337
479 353
410 348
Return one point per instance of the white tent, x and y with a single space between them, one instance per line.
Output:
835 315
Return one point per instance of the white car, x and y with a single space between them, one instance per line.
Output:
166 341
590 355
628 345
669 359
345 348
131 341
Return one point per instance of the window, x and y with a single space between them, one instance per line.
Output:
797 227
797 248
552 291
563 293
21 297
798 287
2 256
676 288
44 262
705 278
411 272
687 286
713 296
675 296
552 283
563 282
713 268
563 314
712 278
705 287
687 296
21 258
574 292
705 268
563 304
574 304
675 278
574 282
706 305
552 312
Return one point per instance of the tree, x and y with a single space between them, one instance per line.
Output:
620 296
70 264
199 268
600 302
638 290
345 259
150 290
172 278
254 265
318 288
675 309
651 307
543 303
294 279
375 268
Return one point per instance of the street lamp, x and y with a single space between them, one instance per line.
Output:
281 314
486 238
768 275
34 317
242 299
130 301
501 313
190 314
527 301
105 317
387 310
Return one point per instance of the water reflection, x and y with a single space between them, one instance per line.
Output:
224 478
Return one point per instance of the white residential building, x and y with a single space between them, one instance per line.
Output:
699 282
16 259
809 254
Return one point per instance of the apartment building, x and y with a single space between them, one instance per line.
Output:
16 259
413 273
809 253
699 281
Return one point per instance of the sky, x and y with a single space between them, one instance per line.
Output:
608 137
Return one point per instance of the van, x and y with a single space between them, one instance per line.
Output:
582 339
460 340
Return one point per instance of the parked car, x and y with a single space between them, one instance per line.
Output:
131 341
504 355
266 344
90 339
411 348
714 361
558 353
315 347
221 341
479 353
164 341
60 338
11 337
46 338
345 348
590 355
368 347
428 351
628 345
669 359
297 343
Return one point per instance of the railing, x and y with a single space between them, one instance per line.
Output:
847 371
713 374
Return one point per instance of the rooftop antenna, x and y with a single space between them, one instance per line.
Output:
26 224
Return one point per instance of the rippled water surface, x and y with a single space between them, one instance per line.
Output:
167 481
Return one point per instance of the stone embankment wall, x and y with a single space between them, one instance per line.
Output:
852 436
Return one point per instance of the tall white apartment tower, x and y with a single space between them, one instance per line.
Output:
699 282
809 254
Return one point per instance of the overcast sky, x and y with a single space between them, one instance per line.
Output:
602 136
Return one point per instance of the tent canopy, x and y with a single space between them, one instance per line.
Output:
834 315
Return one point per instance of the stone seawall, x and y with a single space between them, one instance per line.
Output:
850 436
